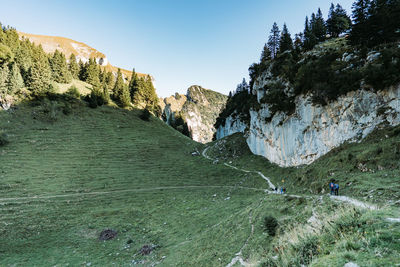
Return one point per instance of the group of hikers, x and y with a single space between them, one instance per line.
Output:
334 189
282 190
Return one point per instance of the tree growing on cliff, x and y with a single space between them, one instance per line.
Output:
273 40
359 32
338 21
318 27
265 54
285 42
309 39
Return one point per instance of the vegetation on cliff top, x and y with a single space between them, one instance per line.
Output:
328 59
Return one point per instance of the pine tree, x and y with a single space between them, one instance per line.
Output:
360 30
338 21
383 23
273 40
145 95
266 54
106 93
109 80
59 68
318 27
133 84
73 66
309 37
82 70
118 86
92 72
15 81
286 42
23 57
39 82
125 97
4 76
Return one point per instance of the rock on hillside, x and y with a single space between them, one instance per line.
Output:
198 109
67 47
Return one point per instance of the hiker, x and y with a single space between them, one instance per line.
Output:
332 187
336 187
281 190
284 190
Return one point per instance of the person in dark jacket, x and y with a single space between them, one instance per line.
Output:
336 187
332 187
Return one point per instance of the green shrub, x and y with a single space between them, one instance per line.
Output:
3 139
73 92
270 224
307 249
145 115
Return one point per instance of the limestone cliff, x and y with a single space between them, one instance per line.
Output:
197 110
313 130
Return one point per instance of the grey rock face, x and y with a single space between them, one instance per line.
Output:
312 131
199 108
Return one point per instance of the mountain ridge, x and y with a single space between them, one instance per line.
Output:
81 50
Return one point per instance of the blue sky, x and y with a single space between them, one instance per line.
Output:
180 42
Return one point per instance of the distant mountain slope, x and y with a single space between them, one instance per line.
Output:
68 46
198 109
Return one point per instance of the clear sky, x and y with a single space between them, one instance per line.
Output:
180 42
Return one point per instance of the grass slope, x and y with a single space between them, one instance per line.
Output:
107 167
70 172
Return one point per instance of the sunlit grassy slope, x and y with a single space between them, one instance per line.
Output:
102 168
70 172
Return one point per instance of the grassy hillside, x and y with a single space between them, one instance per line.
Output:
367 170
69 172
65 178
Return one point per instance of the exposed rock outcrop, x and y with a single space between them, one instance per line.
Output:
313 130
198 109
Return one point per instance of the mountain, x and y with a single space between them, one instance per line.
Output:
81 50
291 126
195 113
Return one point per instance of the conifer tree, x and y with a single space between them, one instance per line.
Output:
109 80
133 84
146 95
59 68
309 37
4 74
15 81
23 57
39 82
125 97
318 26
360 30
265 54
73 66
273 40
119 83
82 70
92 73
286 42
106 93
338 21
